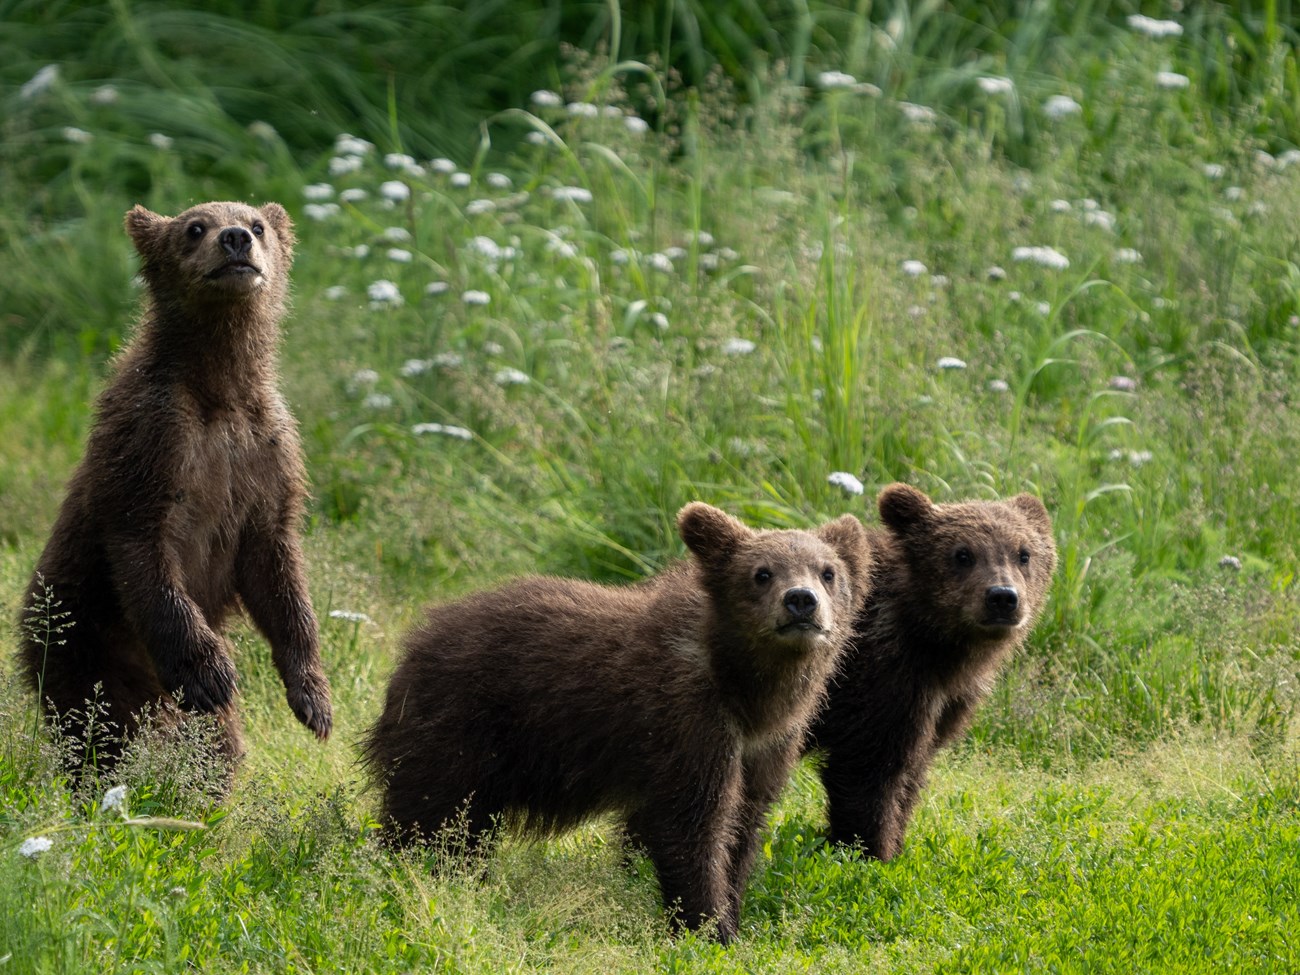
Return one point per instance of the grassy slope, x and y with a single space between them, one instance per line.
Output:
1127 798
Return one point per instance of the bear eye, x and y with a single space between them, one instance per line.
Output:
195 230
258 229
762 576
1024 556
964 557
828 575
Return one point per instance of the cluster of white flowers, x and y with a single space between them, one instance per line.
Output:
993 85
571 194
40 82
384 294
161 142
473 297
1061 106
348 615
1127 255
738 346
846 482
509 376
1151 27
913 269
1045 256
34 846
1172 80
445 429
395 190
114 798
950 362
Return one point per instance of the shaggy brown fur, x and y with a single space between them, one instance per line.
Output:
956 588
679 702
189 496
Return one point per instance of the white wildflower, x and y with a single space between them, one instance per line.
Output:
1172 80
493 348
1233 194
335 292
994 85
1213 170
660 262
836 79
1100 218
950 362
1061 106
377 401
395 190
738 346
446 429
80 136
536 138
1127 255
383 294
1123 384
447 360
574 194
34 846
562 248
1060 206
353 194
460 180
350 145
1043 308
360 252
397 235
636 124
583 110
846 482
1045 256
317 191
399 160
342 165
350 616
498 181
545 98
160 141
999 386
442 165
918 114
362 378
913 269
437 288
1155 28
1288 158
399 254
476 297
1230 562
105 95
996 273
114 798
415 367
479 207
40 82
621 255
320 211
510 376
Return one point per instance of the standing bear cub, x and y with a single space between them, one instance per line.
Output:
679 702
187 500
956 588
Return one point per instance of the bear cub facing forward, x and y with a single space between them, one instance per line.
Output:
679 703
956 588
188 498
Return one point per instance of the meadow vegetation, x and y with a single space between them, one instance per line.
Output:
548 292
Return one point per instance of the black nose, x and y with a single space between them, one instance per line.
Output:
1002 599
236 241
801 602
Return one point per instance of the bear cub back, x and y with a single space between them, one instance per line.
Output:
678 703
957 587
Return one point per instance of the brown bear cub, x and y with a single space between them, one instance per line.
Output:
679 702
188 499
955 589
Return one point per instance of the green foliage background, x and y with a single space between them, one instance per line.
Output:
746 292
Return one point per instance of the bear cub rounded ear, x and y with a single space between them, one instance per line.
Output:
710 532
847 535
903 506
143 226
1034 511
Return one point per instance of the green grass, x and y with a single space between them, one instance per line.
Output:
727 317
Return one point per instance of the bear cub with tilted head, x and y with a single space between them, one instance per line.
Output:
956 588
187 501
679 703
